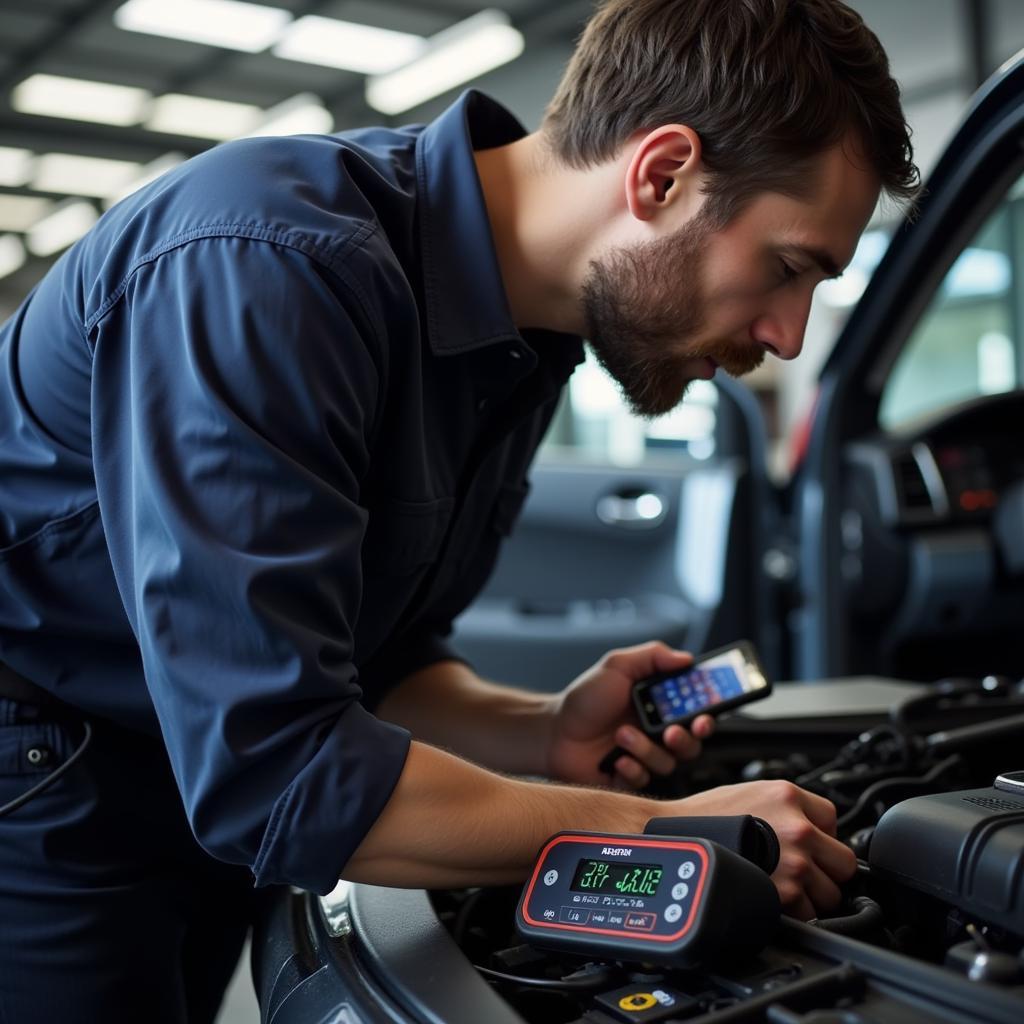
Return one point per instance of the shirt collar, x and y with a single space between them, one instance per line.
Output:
466 305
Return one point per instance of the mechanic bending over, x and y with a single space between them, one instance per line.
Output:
264 427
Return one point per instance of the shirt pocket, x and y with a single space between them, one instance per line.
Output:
403 537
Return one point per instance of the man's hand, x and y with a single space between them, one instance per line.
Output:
595 713
812 860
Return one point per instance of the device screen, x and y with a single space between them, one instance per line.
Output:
617 877
719 678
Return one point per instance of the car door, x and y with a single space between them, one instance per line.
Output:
908 511
613 550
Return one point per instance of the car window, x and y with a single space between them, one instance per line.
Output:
968 342
594 424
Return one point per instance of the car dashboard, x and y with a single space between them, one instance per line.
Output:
932 545
952 471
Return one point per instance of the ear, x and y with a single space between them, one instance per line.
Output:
665 170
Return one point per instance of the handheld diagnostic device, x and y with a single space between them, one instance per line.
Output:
662 899
718 681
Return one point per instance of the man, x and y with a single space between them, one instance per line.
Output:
264 429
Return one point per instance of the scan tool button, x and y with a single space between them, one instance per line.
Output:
550 877
673 912
680 891
641 922
573 915
686 870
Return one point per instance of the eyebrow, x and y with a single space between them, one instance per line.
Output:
824 260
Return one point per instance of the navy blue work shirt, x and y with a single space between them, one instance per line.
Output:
261 432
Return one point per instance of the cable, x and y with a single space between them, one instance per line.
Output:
973 735
598 978
50 779
866 916
872 791
882 741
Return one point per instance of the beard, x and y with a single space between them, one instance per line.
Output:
635 322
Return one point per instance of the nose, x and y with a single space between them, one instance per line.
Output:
781 328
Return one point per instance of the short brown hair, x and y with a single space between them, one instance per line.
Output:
766 84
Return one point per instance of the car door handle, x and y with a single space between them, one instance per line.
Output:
633 510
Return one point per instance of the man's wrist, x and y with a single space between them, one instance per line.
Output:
564 808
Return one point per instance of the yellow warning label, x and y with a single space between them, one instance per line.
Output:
638 1001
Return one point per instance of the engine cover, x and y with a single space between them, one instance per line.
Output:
964 848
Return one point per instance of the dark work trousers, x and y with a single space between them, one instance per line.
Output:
109 910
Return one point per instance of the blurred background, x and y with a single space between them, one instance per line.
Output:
98 97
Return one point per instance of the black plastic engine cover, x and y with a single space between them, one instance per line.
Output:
964 848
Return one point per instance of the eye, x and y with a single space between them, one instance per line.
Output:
787 271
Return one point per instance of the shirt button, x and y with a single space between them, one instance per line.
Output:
515 353
481 405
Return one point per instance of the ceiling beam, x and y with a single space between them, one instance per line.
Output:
46 134
68 23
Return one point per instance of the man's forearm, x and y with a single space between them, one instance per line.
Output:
452 823
448 705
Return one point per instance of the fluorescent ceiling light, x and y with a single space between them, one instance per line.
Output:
301 115
81 175
65 225
201 118
345 44
15 166
150 172
456 55
227 23
12 254
19 213
80 100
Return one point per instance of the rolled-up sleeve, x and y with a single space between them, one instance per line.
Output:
235 386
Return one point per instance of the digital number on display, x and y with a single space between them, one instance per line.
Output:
611 877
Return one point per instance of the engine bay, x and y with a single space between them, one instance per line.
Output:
931 928
935 911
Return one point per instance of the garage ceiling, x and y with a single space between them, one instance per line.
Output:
939 48
79 39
